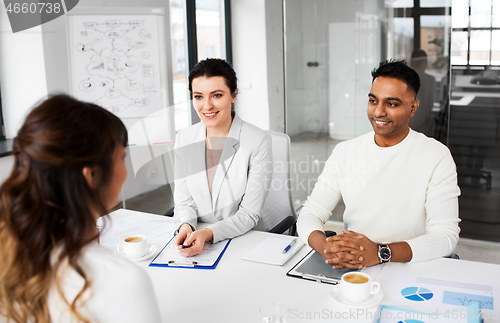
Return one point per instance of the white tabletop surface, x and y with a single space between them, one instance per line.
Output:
463 81
467 97
236 289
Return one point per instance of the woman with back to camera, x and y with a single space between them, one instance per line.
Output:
69 169
223 165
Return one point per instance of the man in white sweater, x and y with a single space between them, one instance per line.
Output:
399 186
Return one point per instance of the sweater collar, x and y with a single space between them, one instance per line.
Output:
409 137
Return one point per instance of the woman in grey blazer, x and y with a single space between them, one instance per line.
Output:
223 164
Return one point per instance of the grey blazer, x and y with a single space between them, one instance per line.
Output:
240 184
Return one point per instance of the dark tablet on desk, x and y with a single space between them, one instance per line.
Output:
313 267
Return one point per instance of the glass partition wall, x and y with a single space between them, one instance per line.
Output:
475 113
331 46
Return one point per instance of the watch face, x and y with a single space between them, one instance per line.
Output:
385 253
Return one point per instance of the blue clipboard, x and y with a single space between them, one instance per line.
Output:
189 263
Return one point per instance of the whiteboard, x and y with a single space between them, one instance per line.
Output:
117 61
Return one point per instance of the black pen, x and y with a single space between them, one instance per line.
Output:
289 246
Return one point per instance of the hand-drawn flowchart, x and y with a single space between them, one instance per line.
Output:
115 63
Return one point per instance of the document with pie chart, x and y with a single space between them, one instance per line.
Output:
430 293
392 314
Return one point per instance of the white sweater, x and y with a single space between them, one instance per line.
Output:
120 291
407 192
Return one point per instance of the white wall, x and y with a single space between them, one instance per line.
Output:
6 164
250 61
258 61
22 73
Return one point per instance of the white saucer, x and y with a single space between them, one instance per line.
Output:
152 251
372 300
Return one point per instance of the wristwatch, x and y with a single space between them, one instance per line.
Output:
384 253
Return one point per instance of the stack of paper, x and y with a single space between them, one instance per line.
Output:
208 259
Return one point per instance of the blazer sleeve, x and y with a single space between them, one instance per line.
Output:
185 208
257 186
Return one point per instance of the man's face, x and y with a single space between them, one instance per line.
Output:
390 107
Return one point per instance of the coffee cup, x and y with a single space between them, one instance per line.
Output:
135 246
357 287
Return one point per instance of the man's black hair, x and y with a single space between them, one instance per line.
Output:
400 70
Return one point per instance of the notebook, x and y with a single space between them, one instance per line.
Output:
270 250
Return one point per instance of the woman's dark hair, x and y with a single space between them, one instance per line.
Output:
398 70
214 67
47 203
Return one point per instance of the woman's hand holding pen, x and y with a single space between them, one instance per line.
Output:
184 232
191 243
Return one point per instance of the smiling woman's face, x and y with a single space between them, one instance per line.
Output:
212 100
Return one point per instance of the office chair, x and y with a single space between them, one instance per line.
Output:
278 212
170 212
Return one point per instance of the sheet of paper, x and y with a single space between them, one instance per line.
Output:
373 271
114 230
208 256
391 314
270 250
430 294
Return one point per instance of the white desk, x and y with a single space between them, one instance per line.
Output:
463 81
236 289
467 97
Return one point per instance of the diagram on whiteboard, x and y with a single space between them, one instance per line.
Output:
115 63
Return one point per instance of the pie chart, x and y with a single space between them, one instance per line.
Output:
417 294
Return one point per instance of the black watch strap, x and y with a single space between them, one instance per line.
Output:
384 253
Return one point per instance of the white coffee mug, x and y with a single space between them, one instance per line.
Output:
357 287
135 246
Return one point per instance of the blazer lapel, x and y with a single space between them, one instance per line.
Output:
230 148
